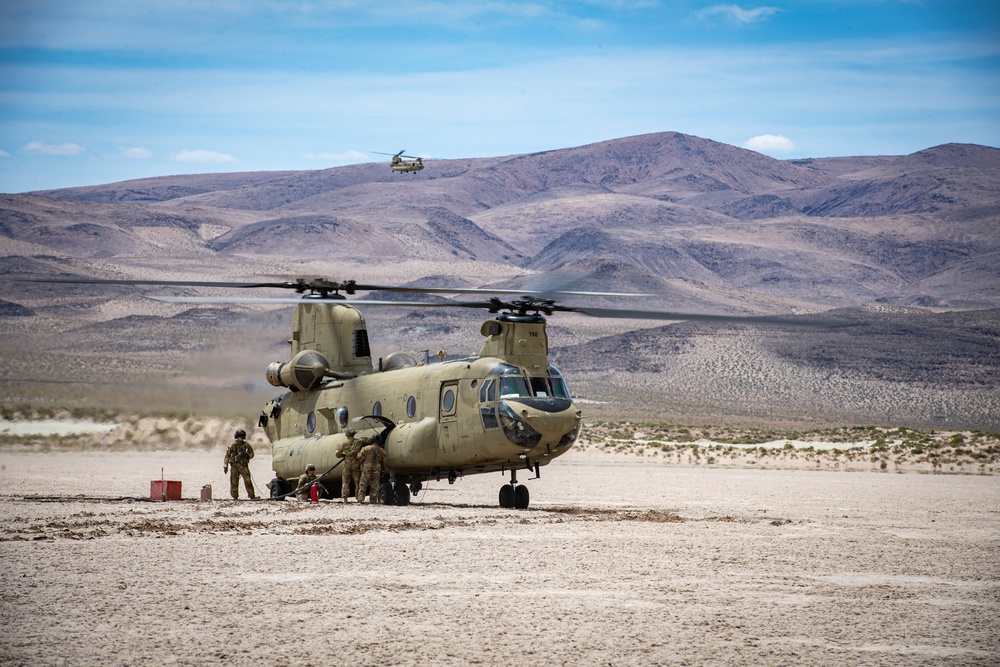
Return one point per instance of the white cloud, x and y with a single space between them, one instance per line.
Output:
771 144
136 152
42 148
738 15
348 155
4 153
202 156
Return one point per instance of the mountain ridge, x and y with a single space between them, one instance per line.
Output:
902 245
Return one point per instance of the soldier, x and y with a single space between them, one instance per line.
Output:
238 456
373 461
352 470
306 480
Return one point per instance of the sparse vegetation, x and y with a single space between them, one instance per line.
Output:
133 432
863 447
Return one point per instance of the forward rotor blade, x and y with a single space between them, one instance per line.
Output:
344 302
175 283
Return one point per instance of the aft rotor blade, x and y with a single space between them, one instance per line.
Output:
696 317
487 290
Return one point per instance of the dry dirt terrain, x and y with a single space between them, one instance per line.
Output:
622 559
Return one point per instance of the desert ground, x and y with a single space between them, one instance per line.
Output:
623 558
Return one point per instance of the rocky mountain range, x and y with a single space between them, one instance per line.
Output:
704 226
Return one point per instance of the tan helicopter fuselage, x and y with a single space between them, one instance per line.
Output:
405 165
503 409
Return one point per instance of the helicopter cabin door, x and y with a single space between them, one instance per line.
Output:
448 417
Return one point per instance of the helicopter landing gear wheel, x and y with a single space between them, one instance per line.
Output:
521 497
385 494
393 493
401 494
513 494
507 495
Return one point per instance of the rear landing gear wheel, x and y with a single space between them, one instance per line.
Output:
401 495
385 494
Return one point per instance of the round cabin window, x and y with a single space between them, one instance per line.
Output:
342 416
377 409
448 402
411 406
311 422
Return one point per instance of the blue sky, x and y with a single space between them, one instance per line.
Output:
95 92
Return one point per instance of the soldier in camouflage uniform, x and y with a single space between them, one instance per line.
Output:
351 471
373 461
237 464
306 480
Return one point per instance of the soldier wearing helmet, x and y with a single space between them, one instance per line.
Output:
237 464
374 461
352 469
306 480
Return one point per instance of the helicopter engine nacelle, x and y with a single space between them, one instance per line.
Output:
305 371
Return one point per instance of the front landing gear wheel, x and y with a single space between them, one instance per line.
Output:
514 495
521 497
507 495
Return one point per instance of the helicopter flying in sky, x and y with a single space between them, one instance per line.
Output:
404 163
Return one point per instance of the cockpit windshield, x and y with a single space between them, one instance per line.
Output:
559 388
513 384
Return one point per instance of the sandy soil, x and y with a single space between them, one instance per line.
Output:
616 562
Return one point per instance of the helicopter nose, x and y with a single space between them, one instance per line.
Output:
549 429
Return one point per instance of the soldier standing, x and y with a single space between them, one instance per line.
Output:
238 456
352 469
373 461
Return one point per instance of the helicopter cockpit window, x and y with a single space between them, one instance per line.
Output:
559 388
513 386
488 392
540 387
342 416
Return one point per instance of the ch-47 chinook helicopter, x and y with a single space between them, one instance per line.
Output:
506 409
410 164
